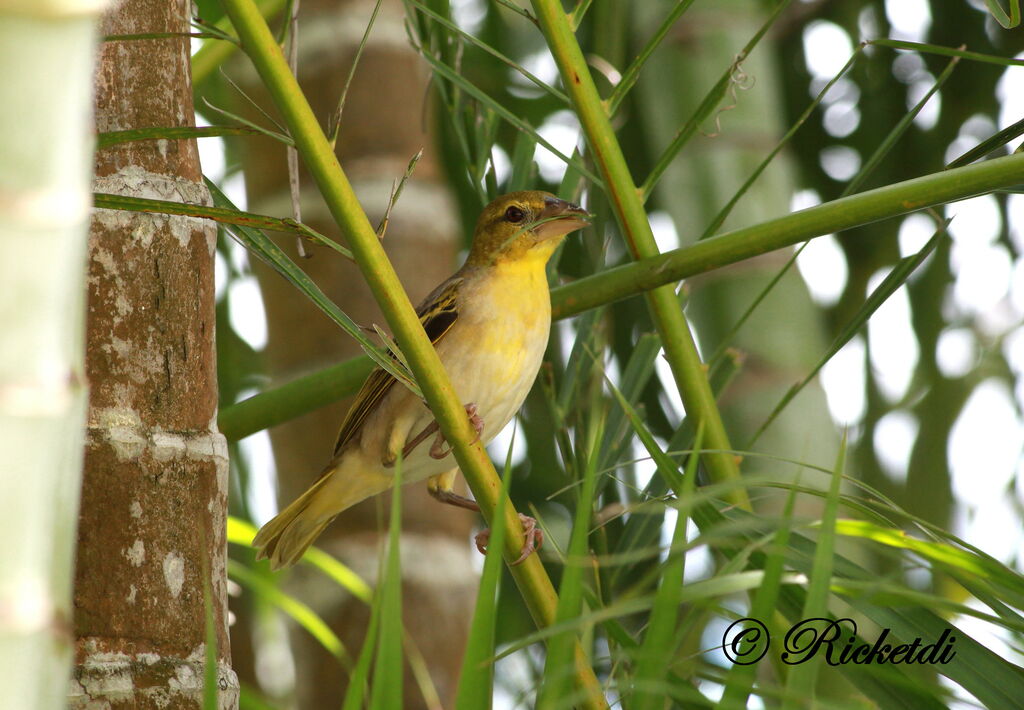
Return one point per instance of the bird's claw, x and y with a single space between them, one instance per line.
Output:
437 450
533 534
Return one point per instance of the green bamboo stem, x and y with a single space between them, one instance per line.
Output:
323 165
45 175
627 203
331 384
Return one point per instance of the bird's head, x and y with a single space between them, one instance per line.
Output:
523 225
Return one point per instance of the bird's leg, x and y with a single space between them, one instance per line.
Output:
533 534
414 442
437 450
441 487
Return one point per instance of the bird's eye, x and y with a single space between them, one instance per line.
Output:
514 214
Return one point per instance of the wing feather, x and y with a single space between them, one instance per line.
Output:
438 313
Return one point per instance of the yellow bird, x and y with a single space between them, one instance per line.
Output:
489 323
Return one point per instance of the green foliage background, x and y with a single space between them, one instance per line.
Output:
810 547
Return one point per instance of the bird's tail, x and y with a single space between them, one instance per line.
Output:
285 539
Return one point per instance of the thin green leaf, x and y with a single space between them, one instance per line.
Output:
519 123
1008 21
557 682
476 681
802 677
299 611
655 654
947 52
105 140
897 132
396 192
259 244
632 72
279 135
452 27
724 213
741 676
359 680
989 145
221 213
388 668
334 123
710 101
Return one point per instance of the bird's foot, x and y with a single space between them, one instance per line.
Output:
533 534
437 450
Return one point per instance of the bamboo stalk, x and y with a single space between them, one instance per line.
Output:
627 203
46 144
323 165
331 384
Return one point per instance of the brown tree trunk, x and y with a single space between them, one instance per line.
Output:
152 526
384 125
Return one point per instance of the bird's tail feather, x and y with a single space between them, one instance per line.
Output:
285 539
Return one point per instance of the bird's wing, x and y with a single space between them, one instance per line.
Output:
438 312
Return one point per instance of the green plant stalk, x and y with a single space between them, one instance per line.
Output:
323 165
45 175
680 349
331 384
212 54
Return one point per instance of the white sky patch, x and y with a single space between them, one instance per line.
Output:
915 231
985 444
561 130
233 188
566 336
211 155
664 229
893 347
239 257
220 275
245 311
502 164
669 391
1015 217
259 460
1010 90
469 15
910 19
976 222
644 469
928 116
844 381
867 23
988 528
542 65
894 438
822 265
1013 350
802 199
841 119
827 47
512 436
907 67
840 162
982 277
956 352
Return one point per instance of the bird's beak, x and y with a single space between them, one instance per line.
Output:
560 217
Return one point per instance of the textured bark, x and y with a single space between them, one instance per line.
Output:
152 523
382 128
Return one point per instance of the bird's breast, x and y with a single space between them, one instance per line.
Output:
504 328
